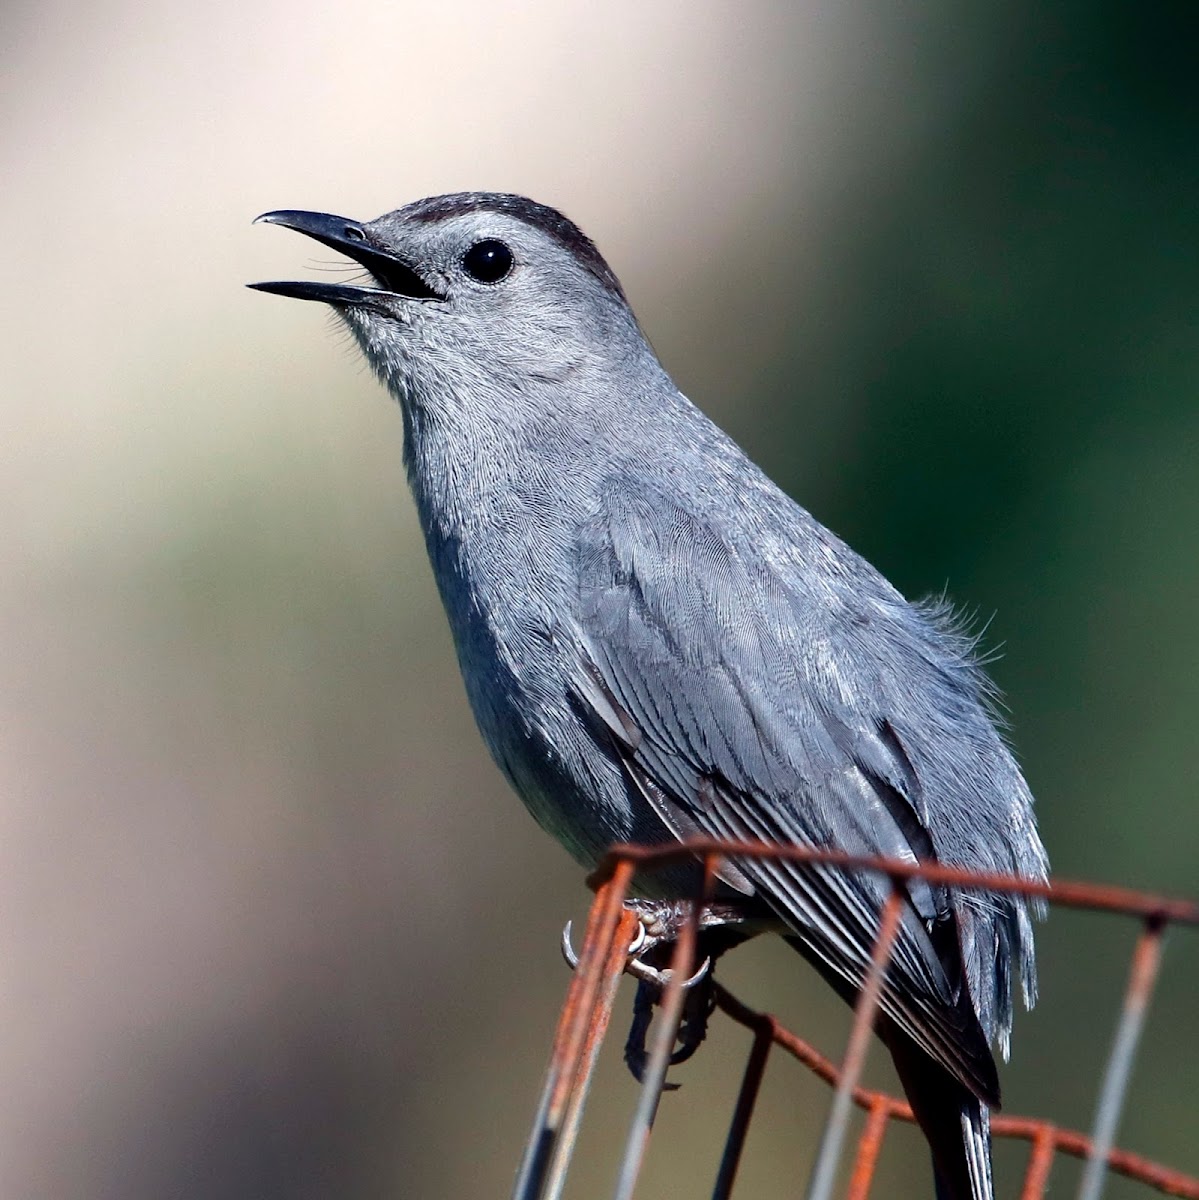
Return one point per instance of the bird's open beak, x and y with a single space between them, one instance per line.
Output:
394 277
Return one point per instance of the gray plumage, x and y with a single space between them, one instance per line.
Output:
657 641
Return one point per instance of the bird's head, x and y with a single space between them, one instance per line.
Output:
478 300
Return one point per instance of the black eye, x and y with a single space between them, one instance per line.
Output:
487 261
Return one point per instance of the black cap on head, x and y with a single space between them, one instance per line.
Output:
563 230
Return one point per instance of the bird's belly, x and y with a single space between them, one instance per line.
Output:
572 785
575 790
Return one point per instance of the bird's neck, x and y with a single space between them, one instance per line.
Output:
492 492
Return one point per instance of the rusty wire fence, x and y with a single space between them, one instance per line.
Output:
588 1008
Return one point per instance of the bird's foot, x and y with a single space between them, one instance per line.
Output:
721 926
651 934
698 1004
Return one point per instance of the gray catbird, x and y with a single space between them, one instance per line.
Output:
657 641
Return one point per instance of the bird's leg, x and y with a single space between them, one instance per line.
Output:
662 922
698 1005
635 1053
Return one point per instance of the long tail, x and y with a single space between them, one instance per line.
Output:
955 1122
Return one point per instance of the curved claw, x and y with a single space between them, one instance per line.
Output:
568 951
638 941
572 959
648 974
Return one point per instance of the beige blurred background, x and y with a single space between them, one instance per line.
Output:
272 924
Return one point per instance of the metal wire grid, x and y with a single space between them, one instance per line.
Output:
588 1008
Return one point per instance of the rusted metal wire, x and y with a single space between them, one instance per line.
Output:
655 1071
828 1157
1146 959
1154 1175
581 1027
747 1099
1040 1163
869 1145
589 1003
1069 893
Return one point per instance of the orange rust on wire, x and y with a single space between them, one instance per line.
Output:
580 1031
867 1005
824 1173
1103 897
1066 1141
571 1037
869 1146
1146 961
582 1023
610 973
821 1067
671 1014
612 969
1133 1166
1040 1163
581 1027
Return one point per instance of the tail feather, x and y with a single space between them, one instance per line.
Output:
976 1139
955 1122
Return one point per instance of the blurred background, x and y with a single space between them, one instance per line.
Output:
272 924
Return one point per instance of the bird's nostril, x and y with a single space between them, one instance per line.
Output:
354 234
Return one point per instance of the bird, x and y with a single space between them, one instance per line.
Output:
658 642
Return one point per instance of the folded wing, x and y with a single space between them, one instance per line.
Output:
745 706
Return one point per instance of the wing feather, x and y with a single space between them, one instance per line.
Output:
724 690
